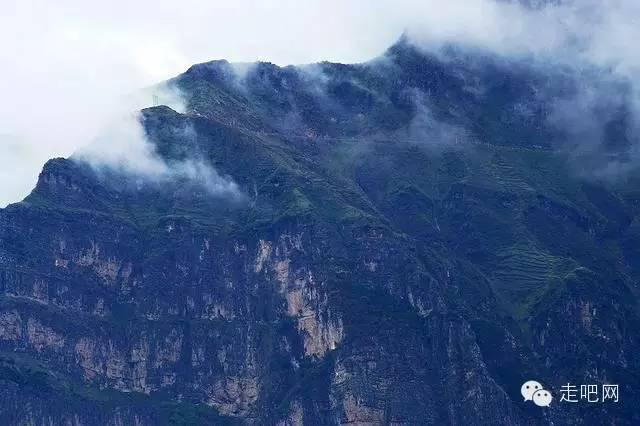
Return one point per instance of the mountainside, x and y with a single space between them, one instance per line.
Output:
406 241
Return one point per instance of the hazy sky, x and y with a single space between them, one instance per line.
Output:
66 65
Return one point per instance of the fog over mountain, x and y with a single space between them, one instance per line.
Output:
74 66
438 205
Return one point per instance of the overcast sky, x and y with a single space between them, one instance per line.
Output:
66 65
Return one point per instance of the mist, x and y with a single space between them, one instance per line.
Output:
123 146
69 68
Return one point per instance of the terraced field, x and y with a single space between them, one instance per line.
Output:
507 176
523 274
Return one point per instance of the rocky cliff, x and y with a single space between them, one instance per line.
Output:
406 243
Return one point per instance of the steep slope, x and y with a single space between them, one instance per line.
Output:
411 243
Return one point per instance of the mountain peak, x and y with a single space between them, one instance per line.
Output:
337 243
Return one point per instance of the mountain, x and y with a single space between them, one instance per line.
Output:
408 241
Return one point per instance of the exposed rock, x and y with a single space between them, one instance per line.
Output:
364 276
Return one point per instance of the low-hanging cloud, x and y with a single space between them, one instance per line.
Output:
124 147
66 66
121 142
428 131
588 44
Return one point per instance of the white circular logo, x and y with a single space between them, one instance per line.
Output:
542 398
529 388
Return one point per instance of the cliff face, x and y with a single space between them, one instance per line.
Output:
407 246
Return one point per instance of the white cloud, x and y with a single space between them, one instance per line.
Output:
67 65
19 163
123 146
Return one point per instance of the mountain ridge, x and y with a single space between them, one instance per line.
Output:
410 248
